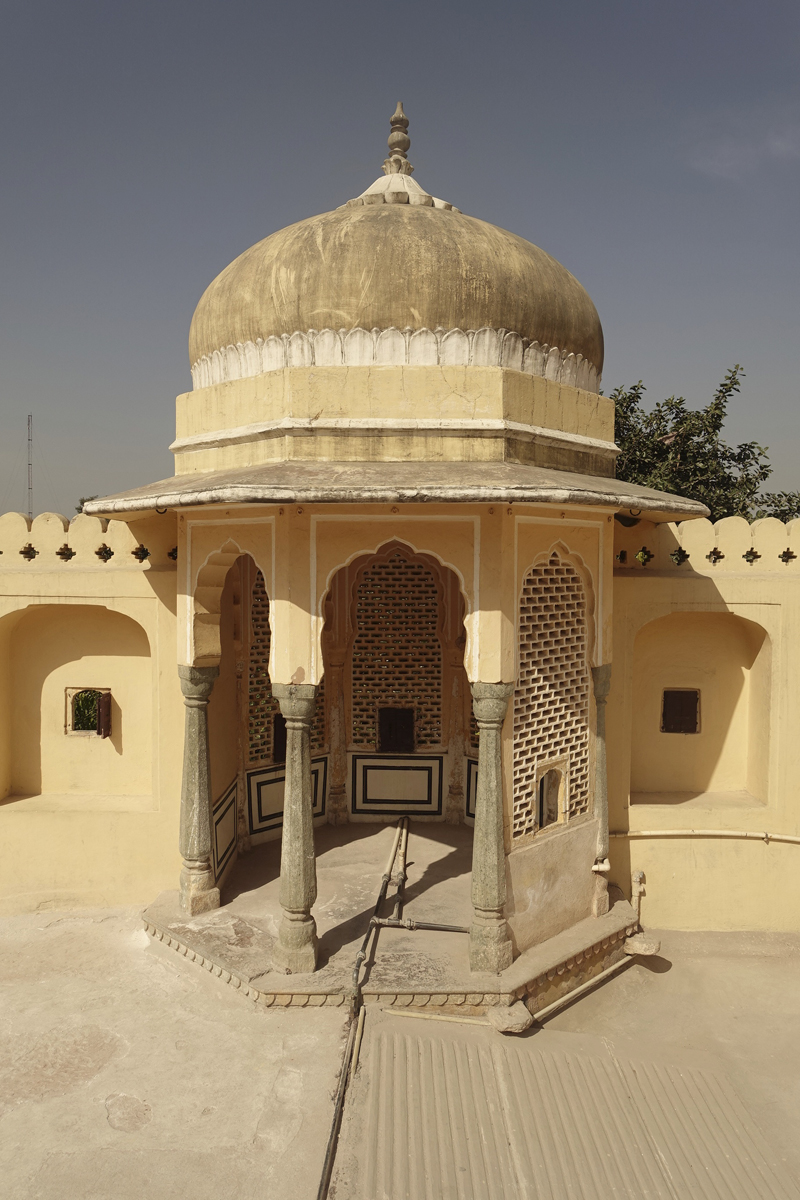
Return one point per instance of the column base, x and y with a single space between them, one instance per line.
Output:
295 952
490 948
600 901
198 891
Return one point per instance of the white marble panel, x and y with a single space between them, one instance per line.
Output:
569 370
299 350
328 349
359 348
552 367
390 348
423 348
454 349
485 348
512 350
533 359
273 354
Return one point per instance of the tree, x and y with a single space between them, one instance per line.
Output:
677 449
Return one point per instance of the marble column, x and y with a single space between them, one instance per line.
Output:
601 681
489 940
295 951
199 892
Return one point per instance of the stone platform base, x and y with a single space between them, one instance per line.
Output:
237 952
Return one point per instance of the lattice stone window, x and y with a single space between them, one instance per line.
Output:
263 707
397 654
551 702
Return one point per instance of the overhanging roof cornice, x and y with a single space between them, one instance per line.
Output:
306 482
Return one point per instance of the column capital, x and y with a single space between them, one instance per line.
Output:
297 700
601 682
197 682
490 701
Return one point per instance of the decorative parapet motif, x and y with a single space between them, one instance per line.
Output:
396 347
700 547
52 542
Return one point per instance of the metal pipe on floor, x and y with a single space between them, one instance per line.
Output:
407 923
386 879
551 1009
401 876
338 1108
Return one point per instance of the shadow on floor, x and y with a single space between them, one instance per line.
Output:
436 854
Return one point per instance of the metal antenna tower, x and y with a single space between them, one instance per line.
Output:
30 466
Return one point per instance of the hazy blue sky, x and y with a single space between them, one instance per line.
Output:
653 148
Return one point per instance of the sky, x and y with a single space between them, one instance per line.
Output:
654 149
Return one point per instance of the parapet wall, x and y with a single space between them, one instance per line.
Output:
51 542
731 546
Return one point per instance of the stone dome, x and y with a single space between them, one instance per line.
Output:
395 262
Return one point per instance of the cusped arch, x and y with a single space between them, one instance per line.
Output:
206 601
366 553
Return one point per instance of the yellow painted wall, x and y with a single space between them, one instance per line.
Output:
58 647
103 829
731 627
319 396
689 624
720 655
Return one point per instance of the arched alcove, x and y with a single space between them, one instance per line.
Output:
701 709
393 647
246 730
53 652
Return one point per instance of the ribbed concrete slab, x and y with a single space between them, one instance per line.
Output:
466 1115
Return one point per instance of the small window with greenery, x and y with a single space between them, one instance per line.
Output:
680 711
89 711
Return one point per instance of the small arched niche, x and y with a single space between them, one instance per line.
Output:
550 798
56 656
701 711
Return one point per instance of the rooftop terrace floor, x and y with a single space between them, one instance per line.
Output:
125 1074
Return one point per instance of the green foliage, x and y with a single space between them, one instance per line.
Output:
84 710
681 450
783 505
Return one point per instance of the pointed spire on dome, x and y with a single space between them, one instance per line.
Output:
398 141
396 186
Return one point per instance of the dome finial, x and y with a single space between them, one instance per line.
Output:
399 142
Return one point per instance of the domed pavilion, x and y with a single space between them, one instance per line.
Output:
395 499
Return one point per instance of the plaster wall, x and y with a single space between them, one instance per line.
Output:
102 825
741 615
79 646
393 413
727 659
